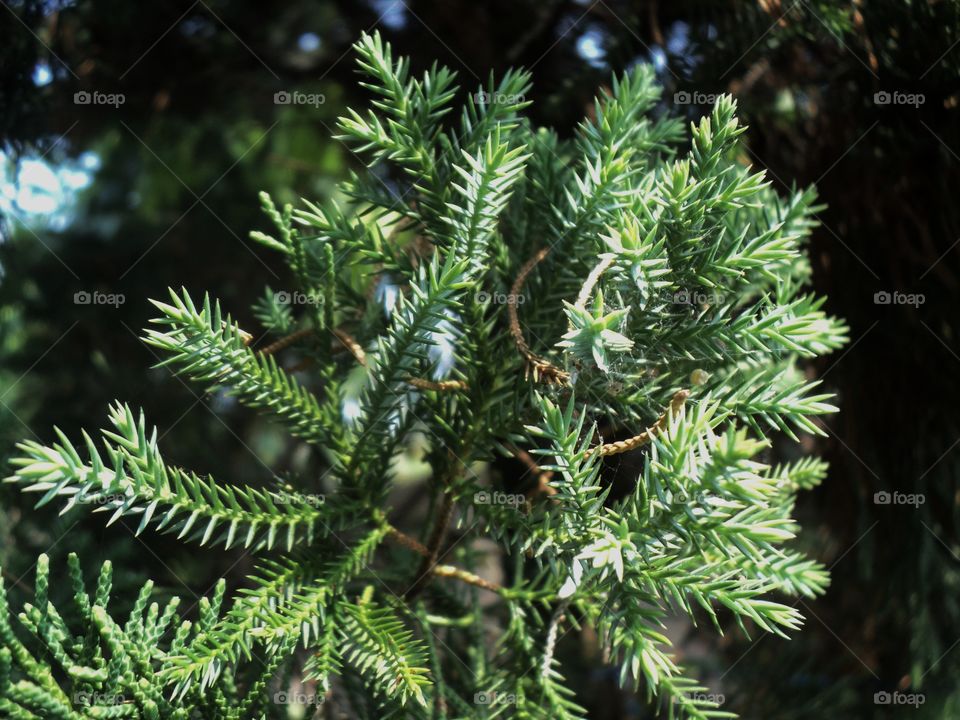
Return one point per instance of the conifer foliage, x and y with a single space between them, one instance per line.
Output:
502 292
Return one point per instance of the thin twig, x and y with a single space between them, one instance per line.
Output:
421 383
465 576
437 385
543 476
551 643
245 337
437 537
286 342
352 345
654 21
538 367
408 542
592 279
860 26
449 571
622 446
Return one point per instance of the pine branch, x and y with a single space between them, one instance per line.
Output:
97 666
665 300
400 354
208 347
135 481
288 601
382 648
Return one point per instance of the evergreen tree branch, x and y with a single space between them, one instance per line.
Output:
206 347
136 481
669 266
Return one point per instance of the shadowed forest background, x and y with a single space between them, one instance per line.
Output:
125 199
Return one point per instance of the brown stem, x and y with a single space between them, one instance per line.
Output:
543 476
449 571
546 664
408 542
438 385
286 342
622 446
465 576
437 537
356 350
592 279
858 23
538 367
246 337
654 21
352 345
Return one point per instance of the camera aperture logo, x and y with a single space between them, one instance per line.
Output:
295 97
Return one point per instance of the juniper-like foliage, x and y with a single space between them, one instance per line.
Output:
500 292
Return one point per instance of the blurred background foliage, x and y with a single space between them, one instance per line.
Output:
160 191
